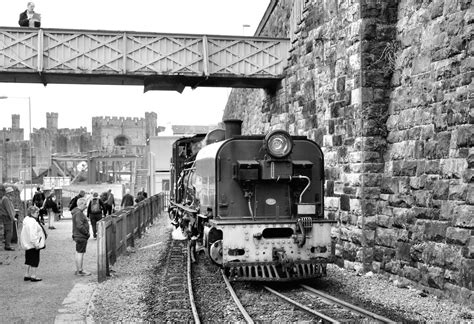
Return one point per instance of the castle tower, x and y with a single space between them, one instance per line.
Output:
52 120
15 121
150 124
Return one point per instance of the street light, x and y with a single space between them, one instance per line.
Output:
243 28
29 144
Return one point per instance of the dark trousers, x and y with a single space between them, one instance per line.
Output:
94 219
107 209
7 230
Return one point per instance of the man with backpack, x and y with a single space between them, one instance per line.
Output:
94 211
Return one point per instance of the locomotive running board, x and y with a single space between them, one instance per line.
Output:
240 271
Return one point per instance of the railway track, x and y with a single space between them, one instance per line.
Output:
197 292
170 279
320 306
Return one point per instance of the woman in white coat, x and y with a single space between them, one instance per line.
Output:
32 239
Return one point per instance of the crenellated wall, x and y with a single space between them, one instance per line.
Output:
106 131
385 87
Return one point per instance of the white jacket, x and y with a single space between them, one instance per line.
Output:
32 235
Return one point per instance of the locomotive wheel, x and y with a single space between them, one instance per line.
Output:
215 252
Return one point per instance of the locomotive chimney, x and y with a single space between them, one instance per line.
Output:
233 127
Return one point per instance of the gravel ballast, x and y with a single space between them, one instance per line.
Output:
123 296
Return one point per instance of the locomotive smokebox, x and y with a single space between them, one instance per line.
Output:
233 127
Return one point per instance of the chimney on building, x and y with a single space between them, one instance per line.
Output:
52 120
15 121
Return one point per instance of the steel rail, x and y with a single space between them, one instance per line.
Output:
306 309
346 305
190 288
236 299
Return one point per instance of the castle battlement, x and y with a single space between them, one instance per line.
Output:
115 121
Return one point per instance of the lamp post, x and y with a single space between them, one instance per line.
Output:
29 145
243 28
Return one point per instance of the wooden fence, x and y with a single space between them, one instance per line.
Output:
118 231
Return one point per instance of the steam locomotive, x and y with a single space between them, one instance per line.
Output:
254 203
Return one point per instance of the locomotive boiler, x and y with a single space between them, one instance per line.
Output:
254 203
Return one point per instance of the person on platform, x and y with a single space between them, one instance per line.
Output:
141 195
73 202
7 216
127 199
29 18
32 238
109 203
38 198
95 208
52 209
80 235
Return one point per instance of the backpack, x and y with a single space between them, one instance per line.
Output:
95 206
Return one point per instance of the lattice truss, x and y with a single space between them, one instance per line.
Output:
244 56
81 52
140 53
18 50
164 54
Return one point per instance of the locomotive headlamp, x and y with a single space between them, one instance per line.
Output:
278 144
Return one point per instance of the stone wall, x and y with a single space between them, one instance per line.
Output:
385 87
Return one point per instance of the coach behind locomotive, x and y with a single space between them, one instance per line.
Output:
256 204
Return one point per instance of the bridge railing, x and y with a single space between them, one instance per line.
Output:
118 231
53 51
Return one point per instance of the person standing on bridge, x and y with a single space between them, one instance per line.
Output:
80 235
29 18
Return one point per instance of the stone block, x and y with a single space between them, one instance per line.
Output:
403 251
433 254
435 277
345 202
389 185
411 273
441 190
384 221
331 203
453 168
402 201
455 235
389 237
464 136
383 254
408 168
422 198
457 192
467 274
436 231
463 216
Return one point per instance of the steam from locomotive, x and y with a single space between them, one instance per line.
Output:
254 203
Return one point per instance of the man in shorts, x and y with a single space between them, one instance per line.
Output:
80 234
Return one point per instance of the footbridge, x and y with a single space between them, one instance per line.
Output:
157 61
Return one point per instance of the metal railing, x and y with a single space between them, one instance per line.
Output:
118 231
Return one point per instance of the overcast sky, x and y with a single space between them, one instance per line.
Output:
76 104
